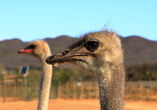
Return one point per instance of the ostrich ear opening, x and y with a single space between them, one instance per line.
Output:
44 50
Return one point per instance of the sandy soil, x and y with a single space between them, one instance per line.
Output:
68 104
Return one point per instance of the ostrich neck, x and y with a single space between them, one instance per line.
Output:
111 86
45 85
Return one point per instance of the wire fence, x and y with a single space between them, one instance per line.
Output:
78 90
74 90
141 90
142 87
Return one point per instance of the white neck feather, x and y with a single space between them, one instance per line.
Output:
45 85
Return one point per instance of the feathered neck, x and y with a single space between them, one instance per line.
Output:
45 84
111 87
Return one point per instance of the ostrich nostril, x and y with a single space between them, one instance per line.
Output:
65 52
18 51
48 59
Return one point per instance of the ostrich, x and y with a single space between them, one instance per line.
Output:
41 50
99 53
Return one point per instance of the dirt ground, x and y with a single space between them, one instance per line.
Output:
69 104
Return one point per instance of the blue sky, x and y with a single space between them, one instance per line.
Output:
38 19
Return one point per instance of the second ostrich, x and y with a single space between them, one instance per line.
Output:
41 50
101 54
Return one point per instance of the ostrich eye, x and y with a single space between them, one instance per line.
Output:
31 47
91 45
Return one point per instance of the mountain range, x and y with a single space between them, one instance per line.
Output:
137 50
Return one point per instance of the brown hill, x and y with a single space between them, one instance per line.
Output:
136 50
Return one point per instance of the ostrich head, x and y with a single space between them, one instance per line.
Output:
92 52
39 49
101 54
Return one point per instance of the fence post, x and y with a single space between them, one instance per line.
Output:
89 92
67 90
96 91
74 90
4 92
14 86
141 88
81 94
25 88
59 90
22 88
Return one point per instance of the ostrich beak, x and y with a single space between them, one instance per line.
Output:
23 51
66 56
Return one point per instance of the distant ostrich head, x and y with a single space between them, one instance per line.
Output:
39 49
